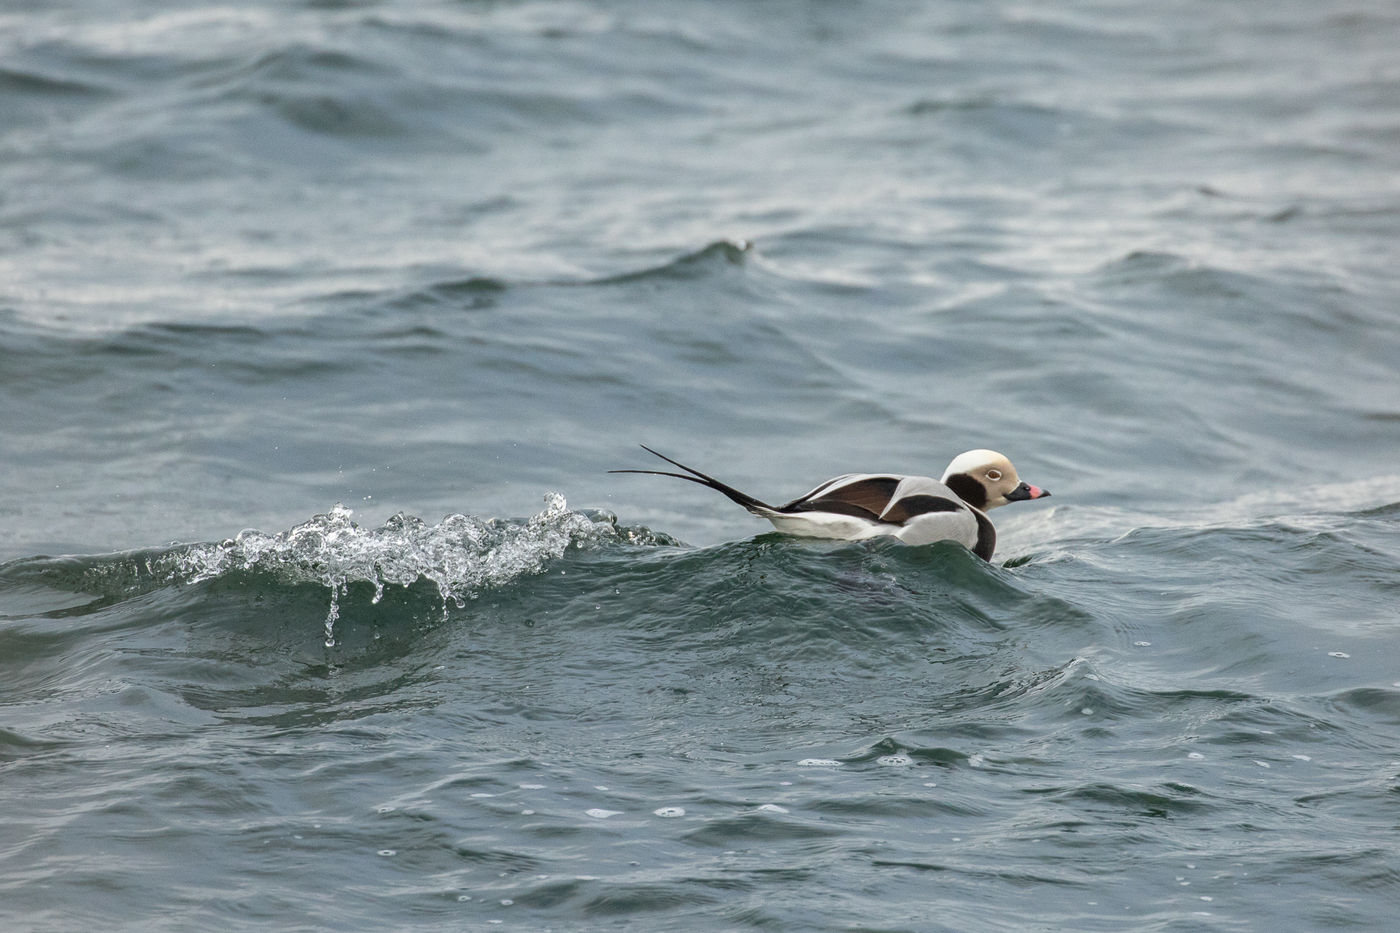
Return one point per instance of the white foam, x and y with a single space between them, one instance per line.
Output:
772 808
461 555
819 763
894 761
598 813
669 812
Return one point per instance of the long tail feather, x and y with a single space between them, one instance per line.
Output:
742 498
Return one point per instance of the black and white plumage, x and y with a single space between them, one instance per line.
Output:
914 509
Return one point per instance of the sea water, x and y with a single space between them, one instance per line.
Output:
321 322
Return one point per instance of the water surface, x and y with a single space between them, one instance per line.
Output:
320 324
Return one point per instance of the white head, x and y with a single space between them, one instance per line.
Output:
985 479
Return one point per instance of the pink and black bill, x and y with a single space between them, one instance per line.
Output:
1026 491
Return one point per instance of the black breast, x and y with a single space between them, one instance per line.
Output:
986 537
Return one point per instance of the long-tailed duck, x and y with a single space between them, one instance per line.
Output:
914 509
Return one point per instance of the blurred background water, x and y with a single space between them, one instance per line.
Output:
320 323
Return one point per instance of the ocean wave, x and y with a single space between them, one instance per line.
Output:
482 292
701 263
460 556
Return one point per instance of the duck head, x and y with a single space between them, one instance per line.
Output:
985 479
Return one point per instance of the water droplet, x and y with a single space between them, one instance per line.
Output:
1338 654
387 852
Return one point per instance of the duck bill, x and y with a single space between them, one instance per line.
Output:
1026 491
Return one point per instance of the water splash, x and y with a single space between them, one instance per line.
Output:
461 555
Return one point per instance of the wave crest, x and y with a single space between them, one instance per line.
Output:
461 555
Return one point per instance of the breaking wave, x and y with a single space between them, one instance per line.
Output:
461 556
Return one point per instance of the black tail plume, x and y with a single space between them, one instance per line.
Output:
742 498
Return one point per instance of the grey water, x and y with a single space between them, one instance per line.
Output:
321 323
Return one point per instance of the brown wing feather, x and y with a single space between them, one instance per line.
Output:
865 498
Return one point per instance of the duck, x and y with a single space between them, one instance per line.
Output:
914 509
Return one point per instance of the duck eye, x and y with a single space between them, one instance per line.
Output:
994 475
